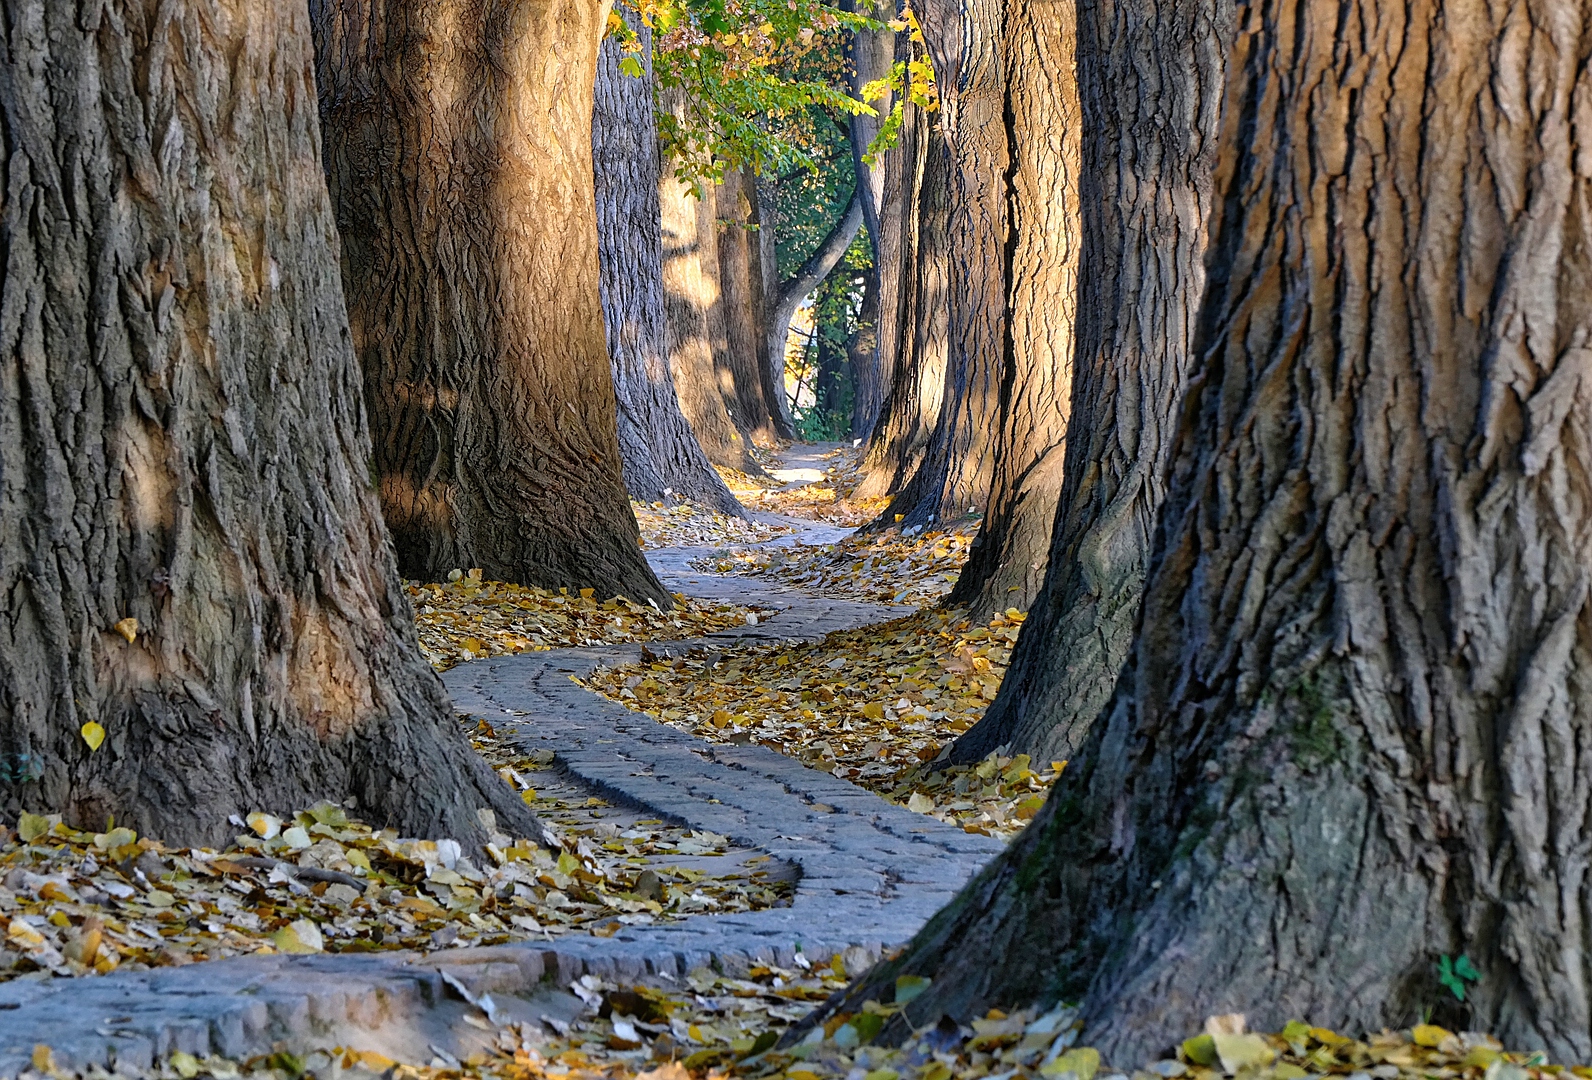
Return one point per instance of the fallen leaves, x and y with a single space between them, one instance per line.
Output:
829 500
469 619
890 567
684 524
76 902
871 706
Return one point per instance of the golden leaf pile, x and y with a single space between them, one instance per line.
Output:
829 501
886 568
684 524
75 902
867 705
468 619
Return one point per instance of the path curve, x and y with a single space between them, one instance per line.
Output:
871 874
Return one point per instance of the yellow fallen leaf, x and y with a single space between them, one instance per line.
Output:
920 803
128 628
299 938
32 826
43 1058
1430 1035
159 898
1082 1062
1238 1051
24 935
186 1064
265 826
92 734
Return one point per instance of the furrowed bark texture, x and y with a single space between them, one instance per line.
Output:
913 306
1145 198
1007 564
1352 734
872 52
964 40
693 321
183 442
657 449
756 405
458 151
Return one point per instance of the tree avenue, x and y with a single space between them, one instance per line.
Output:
459 155
204 617
1349 740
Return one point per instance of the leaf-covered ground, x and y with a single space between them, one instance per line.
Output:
887 567
80 902
717 1027
829 500
870 705
683 524
469 619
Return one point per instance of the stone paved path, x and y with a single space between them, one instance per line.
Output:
871 874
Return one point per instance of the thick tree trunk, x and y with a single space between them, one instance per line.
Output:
913 322
954 478
694 321
867 380
744 356
1145 201
458 148
1007 564
1352 735
657 449
872 52
183 443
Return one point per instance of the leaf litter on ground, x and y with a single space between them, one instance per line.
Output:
713 1026
468 618
889 567
75 902
874 706
830 500
684 524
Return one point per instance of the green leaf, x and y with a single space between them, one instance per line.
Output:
908 987
1201 1050
632 67
1466 970
1447 976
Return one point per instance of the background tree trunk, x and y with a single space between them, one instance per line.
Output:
1007 563
913 322
183 442
657 449
872 53
964 40
458 149
1352 736
1145 199
694 321
756 405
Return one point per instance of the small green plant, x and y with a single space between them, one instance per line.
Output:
1454 974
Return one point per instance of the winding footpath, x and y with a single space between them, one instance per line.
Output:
870 874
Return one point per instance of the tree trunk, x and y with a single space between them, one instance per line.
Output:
954 478
657 449
1145 201
1007 564
808 277
744 357
913 305
872 53
694 321
183 443
867 383
1351 738
458 139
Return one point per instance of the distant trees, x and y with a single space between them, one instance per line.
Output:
203 616
458 151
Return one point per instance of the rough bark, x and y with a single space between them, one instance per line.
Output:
458 151
756 405
871 52
954 477
1007 564
657 450
1145 197
694 321
183 443
1351 737
913 306
807 278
